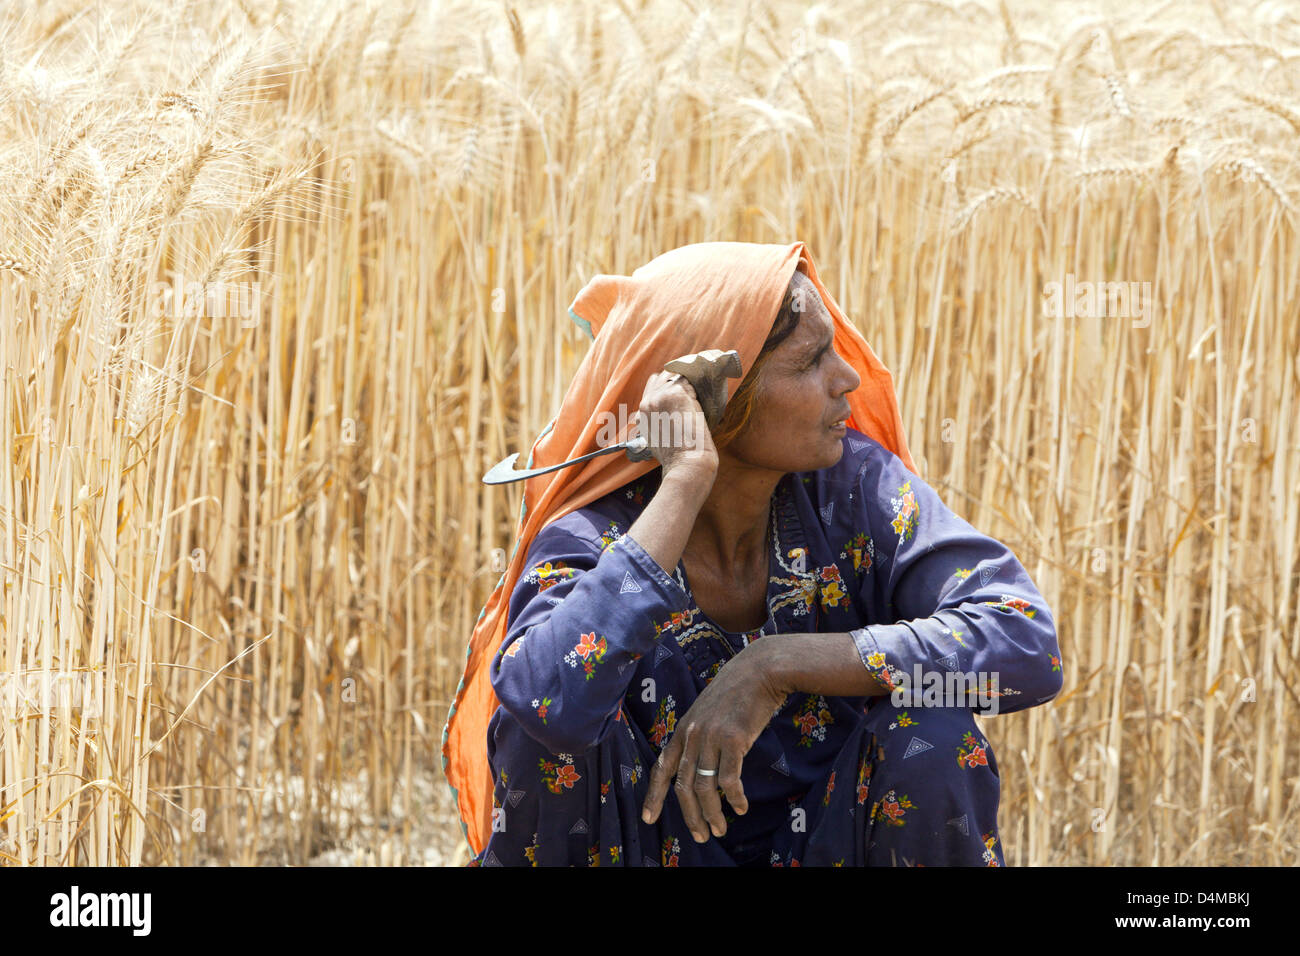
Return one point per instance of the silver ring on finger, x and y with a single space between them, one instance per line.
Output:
706 773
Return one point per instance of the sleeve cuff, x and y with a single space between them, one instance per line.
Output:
875 660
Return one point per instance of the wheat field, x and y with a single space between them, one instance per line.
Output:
280 280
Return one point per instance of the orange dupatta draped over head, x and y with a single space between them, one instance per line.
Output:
709 295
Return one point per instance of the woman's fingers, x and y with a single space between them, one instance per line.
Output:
677 759
729 778
706 790
660 777
672 422
685 786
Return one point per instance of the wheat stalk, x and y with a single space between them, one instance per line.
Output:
989 198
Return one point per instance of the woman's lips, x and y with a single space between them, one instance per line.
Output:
841 419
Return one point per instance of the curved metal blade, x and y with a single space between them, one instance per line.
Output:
504 471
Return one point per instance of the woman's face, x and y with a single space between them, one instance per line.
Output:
800 405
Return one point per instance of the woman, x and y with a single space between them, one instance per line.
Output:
732 622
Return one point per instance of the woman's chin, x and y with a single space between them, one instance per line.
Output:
834 451
838 453
806 456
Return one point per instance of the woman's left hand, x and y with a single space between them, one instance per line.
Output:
715 733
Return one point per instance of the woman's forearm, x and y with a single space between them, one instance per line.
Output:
664 525
825 663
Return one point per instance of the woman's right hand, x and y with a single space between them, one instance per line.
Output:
681 441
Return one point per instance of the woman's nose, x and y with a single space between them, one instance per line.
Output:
849 377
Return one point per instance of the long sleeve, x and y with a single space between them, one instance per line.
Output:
579 619
961 602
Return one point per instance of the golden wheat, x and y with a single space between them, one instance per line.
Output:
257 531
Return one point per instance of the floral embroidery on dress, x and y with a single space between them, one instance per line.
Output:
530 851
973 752
864 781
513 649
984 688
1009 603
830 786
799 589
712 672
559 776
799 593
891 809
961 574
593 855
548 575
665 721
592 651
636 494
812 719
671 849
608 537
832 588
904 720
955 635
615 852
542 707
863 551
675 622
885 672
990 841
1056 662
905 511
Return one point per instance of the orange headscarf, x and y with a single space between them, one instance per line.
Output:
722 295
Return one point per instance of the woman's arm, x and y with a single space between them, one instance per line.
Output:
949 601
956 602
960 601
664 527
812 664
953 601
579 617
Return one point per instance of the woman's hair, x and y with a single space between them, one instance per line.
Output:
741 406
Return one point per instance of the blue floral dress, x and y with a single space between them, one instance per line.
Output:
605 651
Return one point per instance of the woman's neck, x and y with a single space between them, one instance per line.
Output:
730 533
